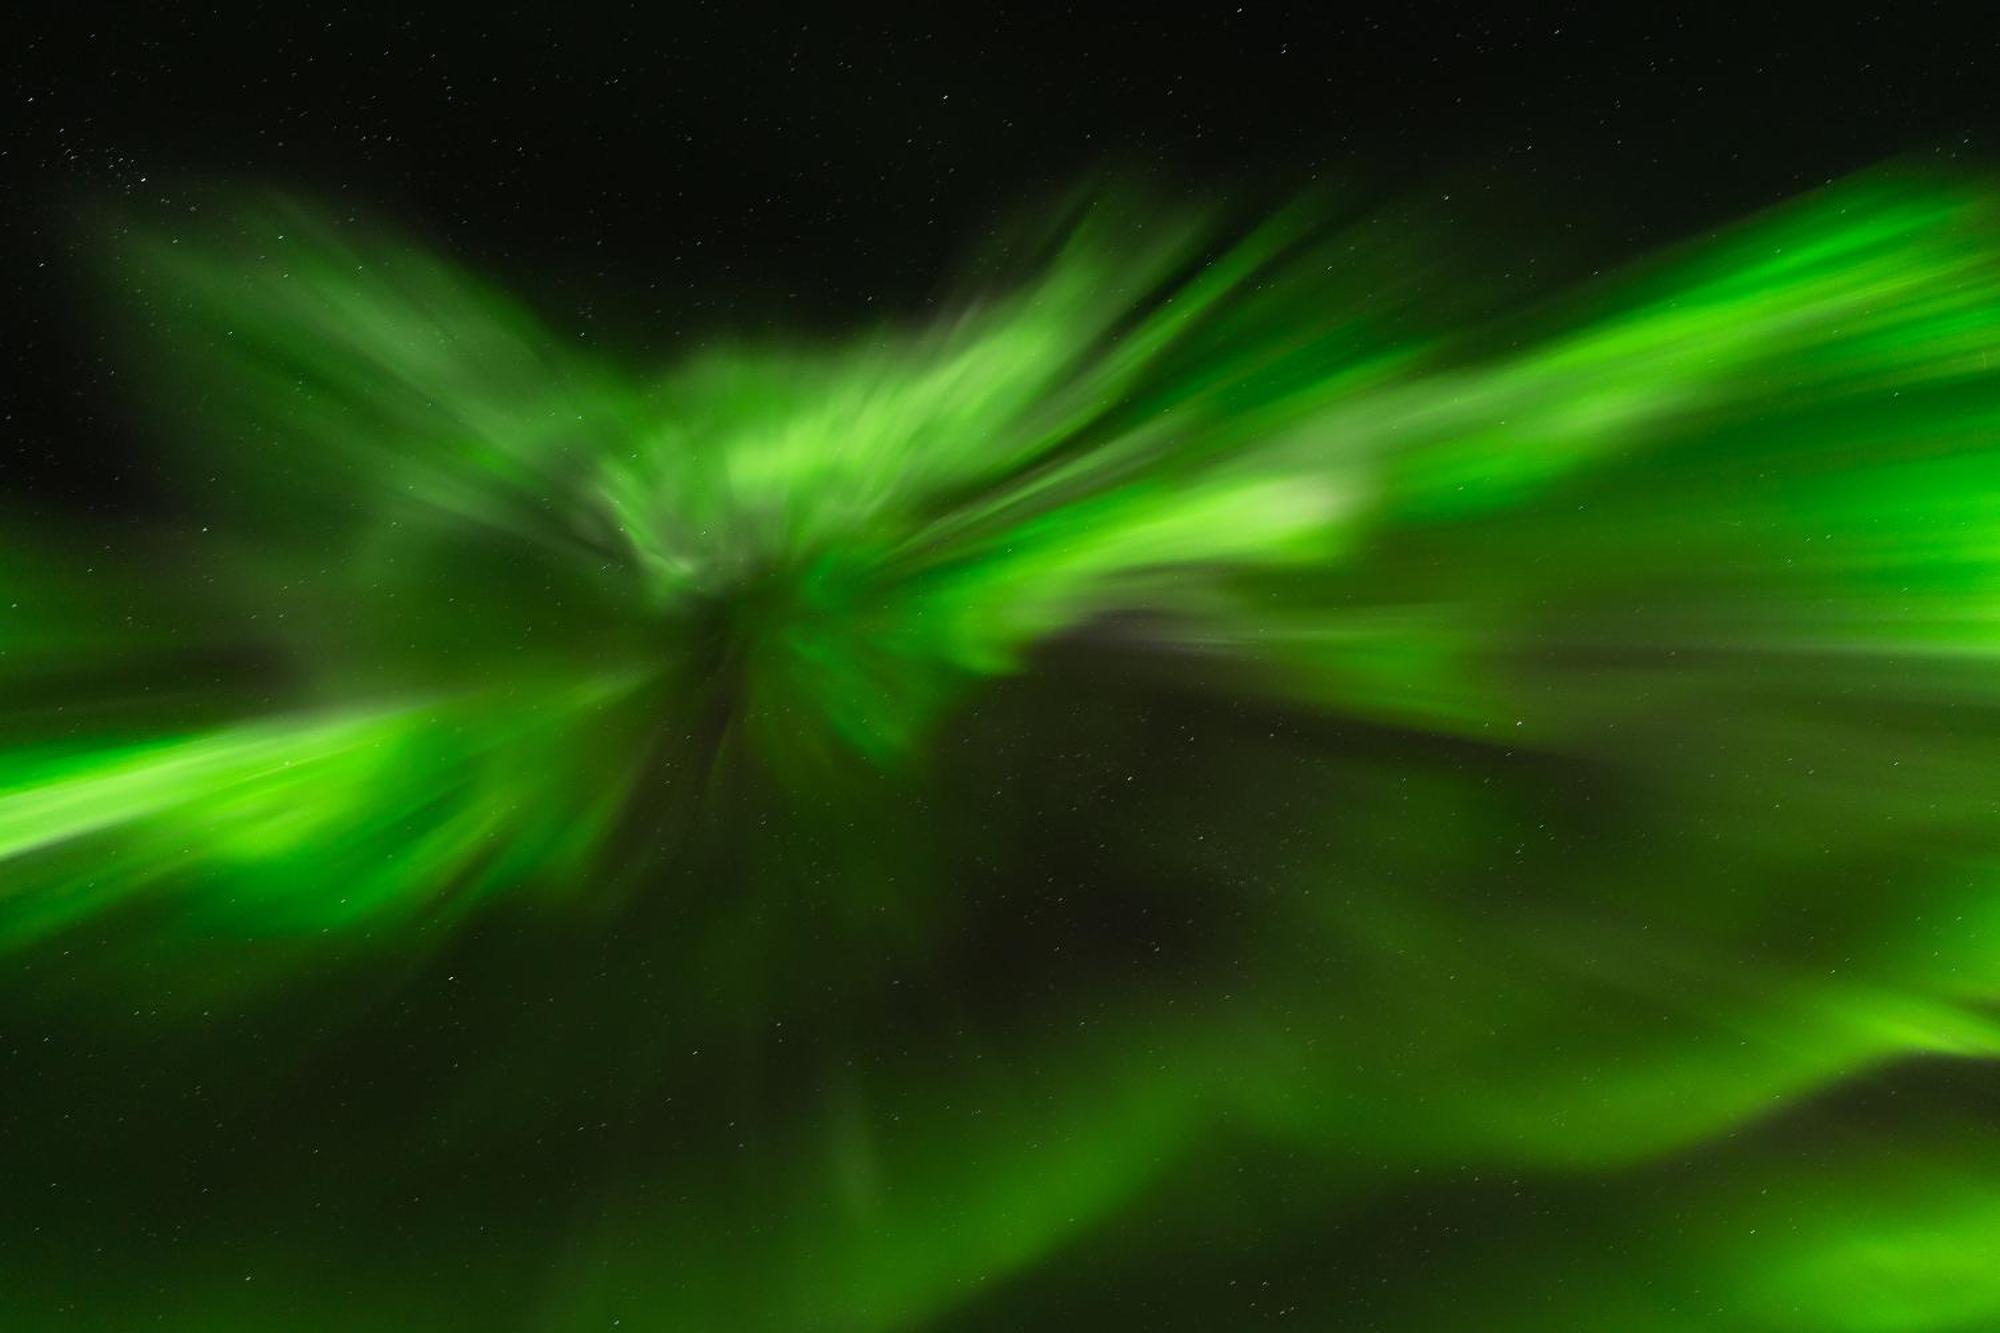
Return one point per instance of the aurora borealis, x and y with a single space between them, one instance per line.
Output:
1215 747
1020 671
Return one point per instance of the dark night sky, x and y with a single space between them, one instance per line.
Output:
648 172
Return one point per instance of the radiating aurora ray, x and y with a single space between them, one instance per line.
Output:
1234 746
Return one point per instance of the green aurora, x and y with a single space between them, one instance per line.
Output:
1232 775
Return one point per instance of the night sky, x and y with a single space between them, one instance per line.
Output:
655 175
711 669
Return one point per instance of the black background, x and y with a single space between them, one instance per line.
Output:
648 173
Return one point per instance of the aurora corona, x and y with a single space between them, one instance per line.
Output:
1221 736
